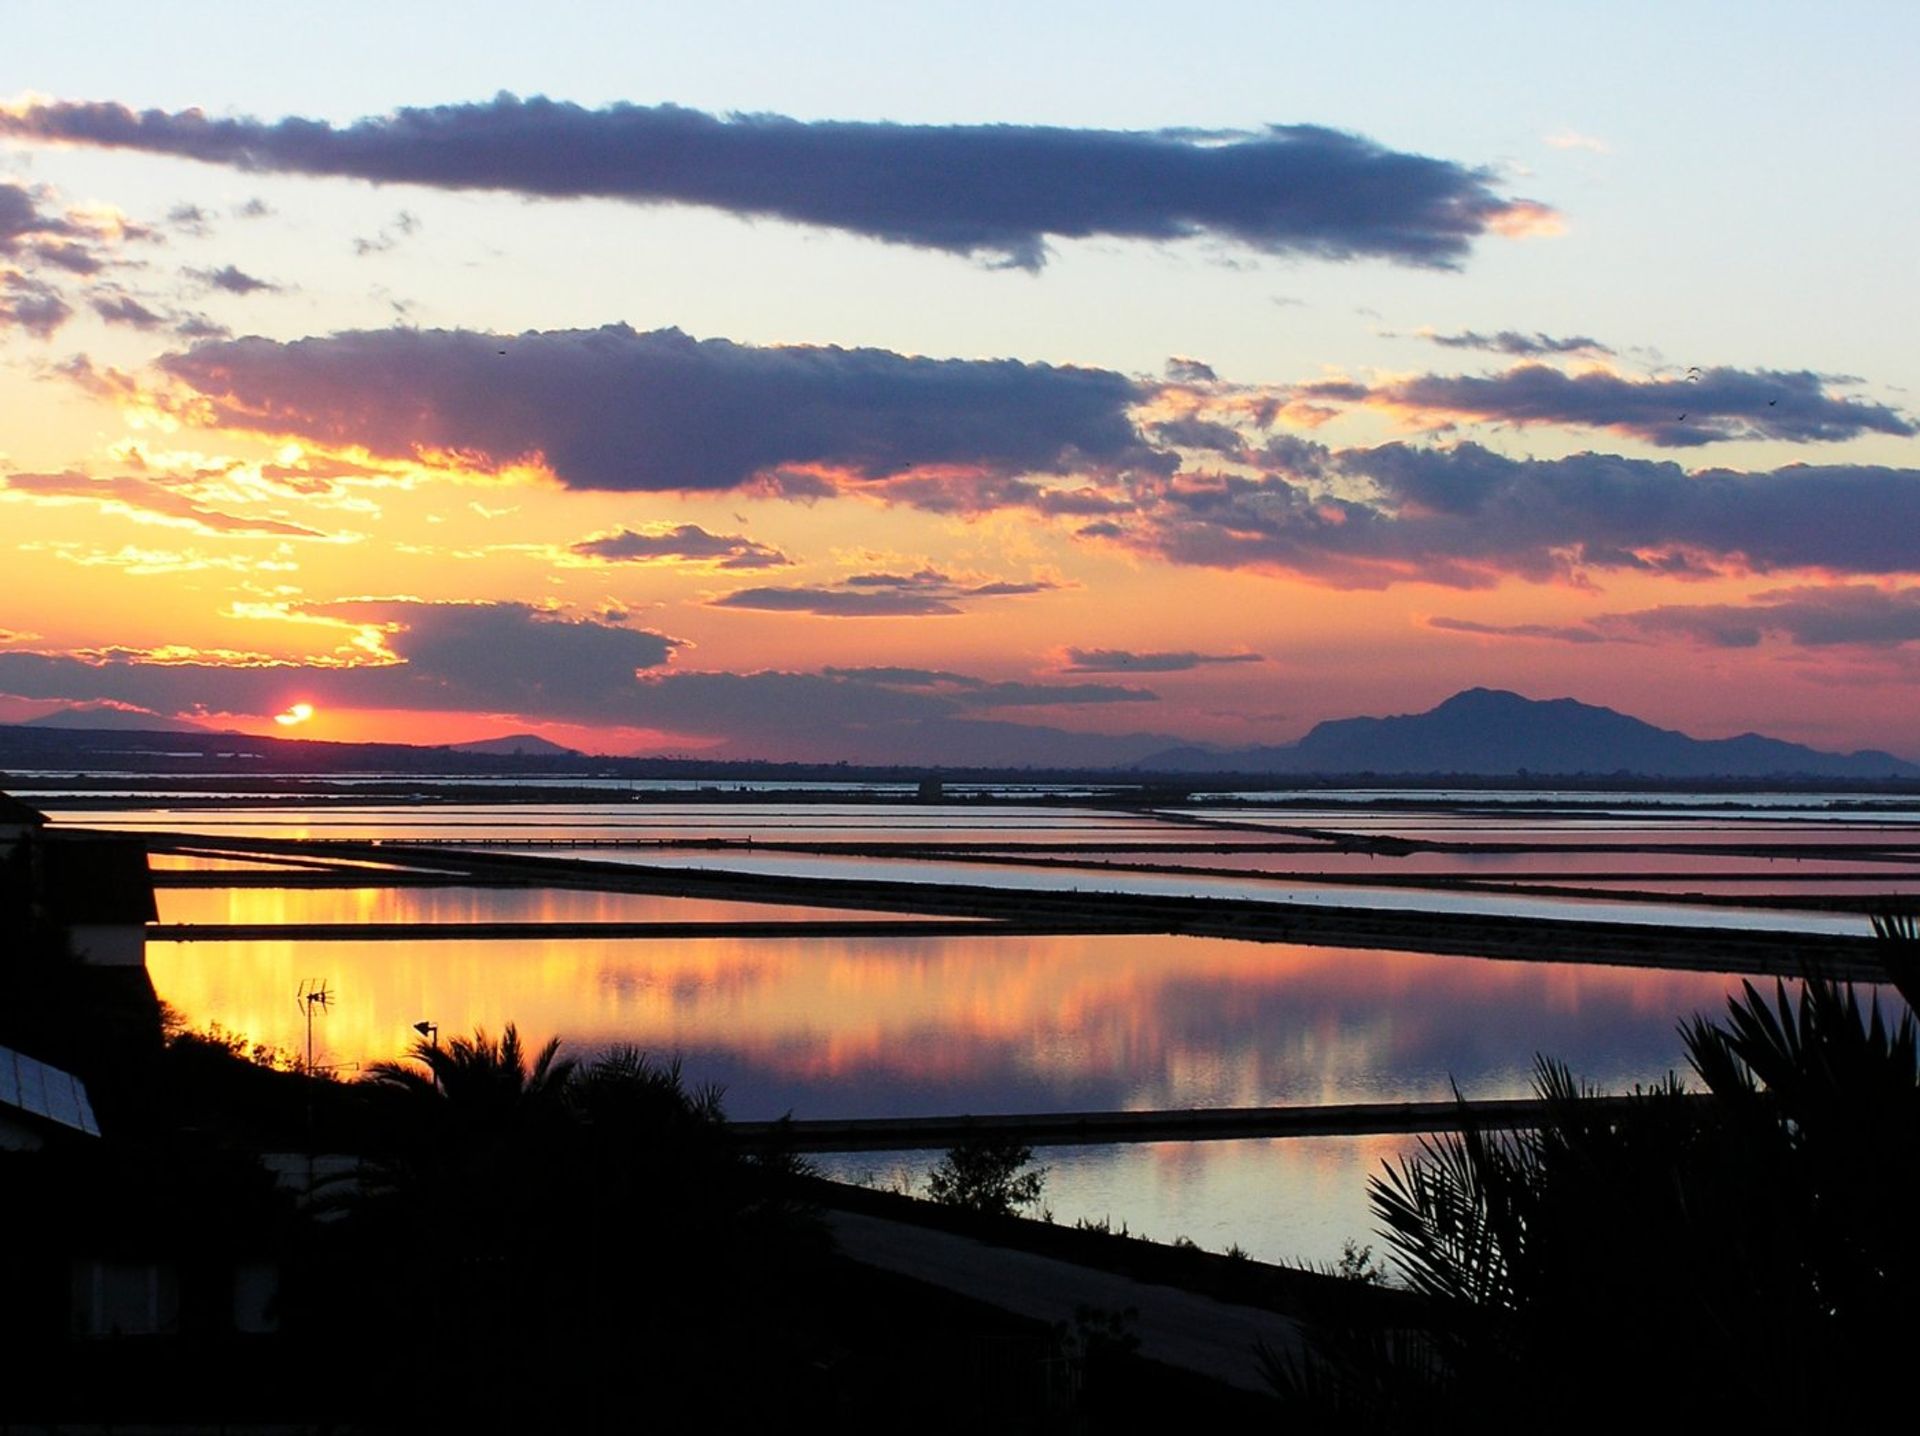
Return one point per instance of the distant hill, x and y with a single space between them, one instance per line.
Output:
1486 732
1495 737
105 717
516 745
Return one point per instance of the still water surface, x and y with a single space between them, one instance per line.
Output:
862 1027
834 1027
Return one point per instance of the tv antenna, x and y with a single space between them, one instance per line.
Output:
313 992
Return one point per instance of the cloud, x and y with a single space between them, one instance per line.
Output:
507 658
881 595
190 219
1193 433
1120 660
195 327
403 226
844 716
514 660
73 257
23 222
141 497
232 279
26 226
688 542
1707 407
1561 633
1509 341
146 562
951 493
970 692
33 239
31 304
619 410
126 310
1806 616
995 191
120 308
1189 371
839 603
1467 517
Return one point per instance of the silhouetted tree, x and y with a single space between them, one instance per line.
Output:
1749 1253
984 1175
560 1231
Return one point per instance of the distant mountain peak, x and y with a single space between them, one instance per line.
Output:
516 745
1491 732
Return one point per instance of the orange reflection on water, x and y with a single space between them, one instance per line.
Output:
427 905
975 1024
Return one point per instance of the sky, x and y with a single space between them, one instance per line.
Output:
970 384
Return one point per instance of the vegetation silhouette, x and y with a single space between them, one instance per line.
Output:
987 1176
558 1233
1743 1255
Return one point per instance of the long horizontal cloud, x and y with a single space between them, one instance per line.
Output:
994 190
1467 517
1514 342
971 692
511 659
687 543
1711 406
1556 632
616 409
927 593
483 657
1806 616
137 496
1120 660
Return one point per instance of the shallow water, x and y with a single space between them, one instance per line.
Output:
1295 1200
429 905
1282 892
847 1027
910 1027
862 1027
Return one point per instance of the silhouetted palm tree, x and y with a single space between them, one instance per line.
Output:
1750 1250
479 1073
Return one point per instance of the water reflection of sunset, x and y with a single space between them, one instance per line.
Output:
836 1026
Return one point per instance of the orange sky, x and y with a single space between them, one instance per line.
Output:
792 472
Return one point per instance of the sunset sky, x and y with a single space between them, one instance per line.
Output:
953 383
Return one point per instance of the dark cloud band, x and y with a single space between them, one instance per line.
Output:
999 191
1711 406
1467 517
1120 660
1851 615
511 659
615 409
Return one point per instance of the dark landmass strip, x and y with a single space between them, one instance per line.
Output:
1482 736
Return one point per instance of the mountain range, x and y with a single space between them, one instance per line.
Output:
1480 733
1487 732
